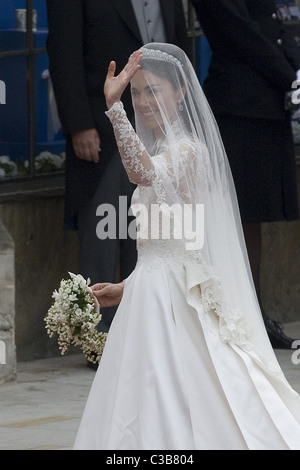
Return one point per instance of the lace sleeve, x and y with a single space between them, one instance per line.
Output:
135 158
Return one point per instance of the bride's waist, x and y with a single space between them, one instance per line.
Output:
174 249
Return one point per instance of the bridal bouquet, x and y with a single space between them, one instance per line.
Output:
74 316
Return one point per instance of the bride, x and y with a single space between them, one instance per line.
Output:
187 363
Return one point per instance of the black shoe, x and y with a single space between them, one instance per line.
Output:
92 365
276 336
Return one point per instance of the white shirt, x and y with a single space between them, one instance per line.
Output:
150 21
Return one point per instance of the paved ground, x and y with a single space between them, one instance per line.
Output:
42 409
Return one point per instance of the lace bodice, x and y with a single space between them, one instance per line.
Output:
166 181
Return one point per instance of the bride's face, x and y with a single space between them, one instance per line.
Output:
150 93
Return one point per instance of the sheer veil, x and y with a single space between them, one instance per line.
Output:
192 170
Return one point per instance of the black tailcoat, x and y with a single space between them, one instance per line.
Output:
254 58
254 63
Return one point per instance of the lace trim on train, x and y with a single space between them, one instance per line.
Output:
232 326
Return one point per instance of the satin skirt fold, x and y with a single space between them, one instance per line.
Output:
166 381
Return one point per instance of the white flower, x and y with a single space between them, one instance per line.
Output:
74 316
7 166
4 159
49 160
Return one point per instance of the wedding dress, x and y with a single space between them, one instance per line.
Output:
187 362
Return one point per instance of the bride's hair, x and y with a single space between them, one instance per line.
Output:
163 69
168 66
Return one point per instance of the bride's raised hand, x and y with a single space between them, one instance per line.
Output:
114 86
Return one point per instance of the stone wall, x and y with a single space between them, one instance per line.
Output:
7 307
44 253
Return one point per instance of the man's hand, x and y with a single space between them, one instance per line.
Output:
108 294
86 145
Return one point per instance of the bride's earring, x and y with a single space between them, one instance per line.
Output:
180 107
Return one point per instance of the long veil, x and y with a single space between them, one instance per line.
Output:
192 171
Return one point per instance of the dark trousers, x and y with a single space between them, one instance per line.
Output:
111 259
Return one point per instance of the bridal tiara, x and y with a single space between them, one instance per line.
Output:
160 55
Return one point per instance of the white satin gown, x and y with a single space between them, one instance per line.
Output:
167 381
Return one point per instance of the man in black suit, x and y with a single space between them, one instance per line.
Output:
84 36
253 66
